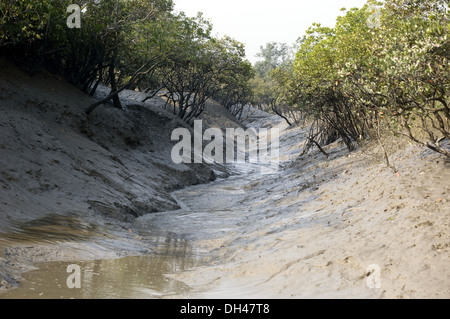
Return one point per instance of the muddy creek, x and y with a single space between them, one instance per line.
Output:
160 255
155 253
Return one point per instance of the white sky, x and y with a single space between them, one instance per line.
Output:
256 22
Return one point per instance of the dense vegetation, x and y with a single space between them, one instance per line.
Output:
128 44
382 67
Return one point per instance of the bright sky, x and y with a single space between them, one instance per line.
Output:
257 22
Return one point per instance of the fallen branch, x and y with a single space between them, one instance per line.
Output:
312 140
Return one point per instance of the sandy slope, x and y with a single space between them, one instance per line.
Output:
315 230
321 228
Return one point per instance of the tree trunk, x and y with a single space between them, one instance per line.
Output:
115 98
280 114
92 92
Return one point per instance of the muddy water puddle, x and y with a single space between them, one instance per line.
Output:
151 255
143 276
